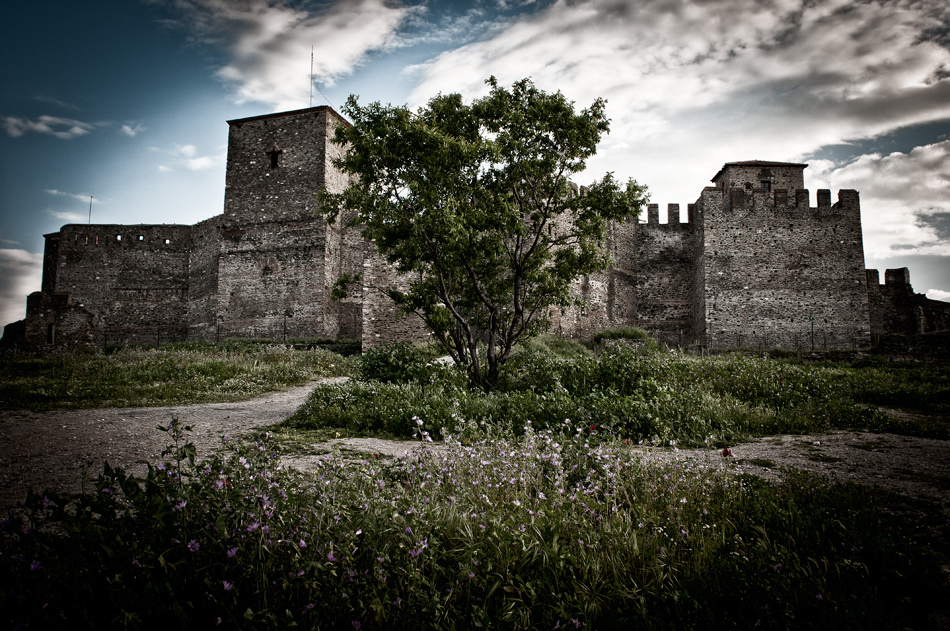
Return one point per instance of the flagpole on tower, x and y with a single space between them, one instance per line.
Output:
311 76
90 209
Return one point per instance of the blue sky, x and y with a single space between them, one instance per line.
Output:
127 100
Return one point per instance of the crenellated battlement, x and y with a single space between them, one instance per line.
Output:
741 200
673 216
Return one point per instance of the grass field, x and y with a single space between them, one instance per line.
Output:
534 515
173 374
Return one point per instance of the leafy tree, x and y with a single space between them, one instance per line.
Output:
474 204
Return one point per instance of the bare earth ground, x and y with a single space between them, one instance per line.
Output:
46 450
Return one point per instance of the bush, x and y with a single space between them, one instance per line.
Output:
395 363
620 333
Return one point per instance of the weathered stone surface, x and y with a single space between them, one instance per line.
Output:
752 265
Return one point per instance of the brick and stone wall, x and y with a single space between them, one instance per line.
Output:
780 273
278 258
665 260
130 280
754 264
896 309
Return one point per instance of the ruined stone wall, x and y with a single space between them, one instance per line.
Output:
896 309
607 298
665 260
779 273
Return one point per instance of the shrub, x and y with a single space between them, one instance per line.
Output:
395 363
620 333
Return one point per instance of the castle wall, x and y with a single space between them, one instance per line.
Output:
344 256
382 322
131 279
271 281
753 265
779 273
896 309
203 276
665 260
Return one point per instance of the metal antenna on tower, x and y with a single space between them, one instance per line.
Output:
90 209
311 76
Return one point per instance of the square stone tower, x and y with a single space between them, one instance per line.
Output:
775 271
277 259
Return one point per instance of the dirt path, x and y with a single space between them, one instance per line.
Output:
46 450
43 450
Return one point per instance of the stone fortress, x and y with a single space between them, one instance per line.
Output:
753 265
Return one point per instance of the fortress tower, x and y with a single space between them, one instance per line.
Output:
775 270
274 259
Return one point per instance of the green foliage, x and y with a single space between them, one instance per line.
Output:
540 532
187 372
395 363
473 202
546 343
636 394
620 333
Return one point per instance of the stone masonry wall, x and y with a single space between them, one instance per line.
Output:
753 265
382 322
203 276
132 279
896 308
273 277
779 273
665 258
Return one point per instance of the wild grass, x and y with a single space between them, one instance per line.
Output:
638 394
540 531
532 514
172 374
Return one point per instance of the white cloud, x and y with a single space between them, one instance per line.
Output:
691 85
270 42
21 273
900 195
938 294
68 216
199 164
132 131
54 101
83 197
188 157
65 128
